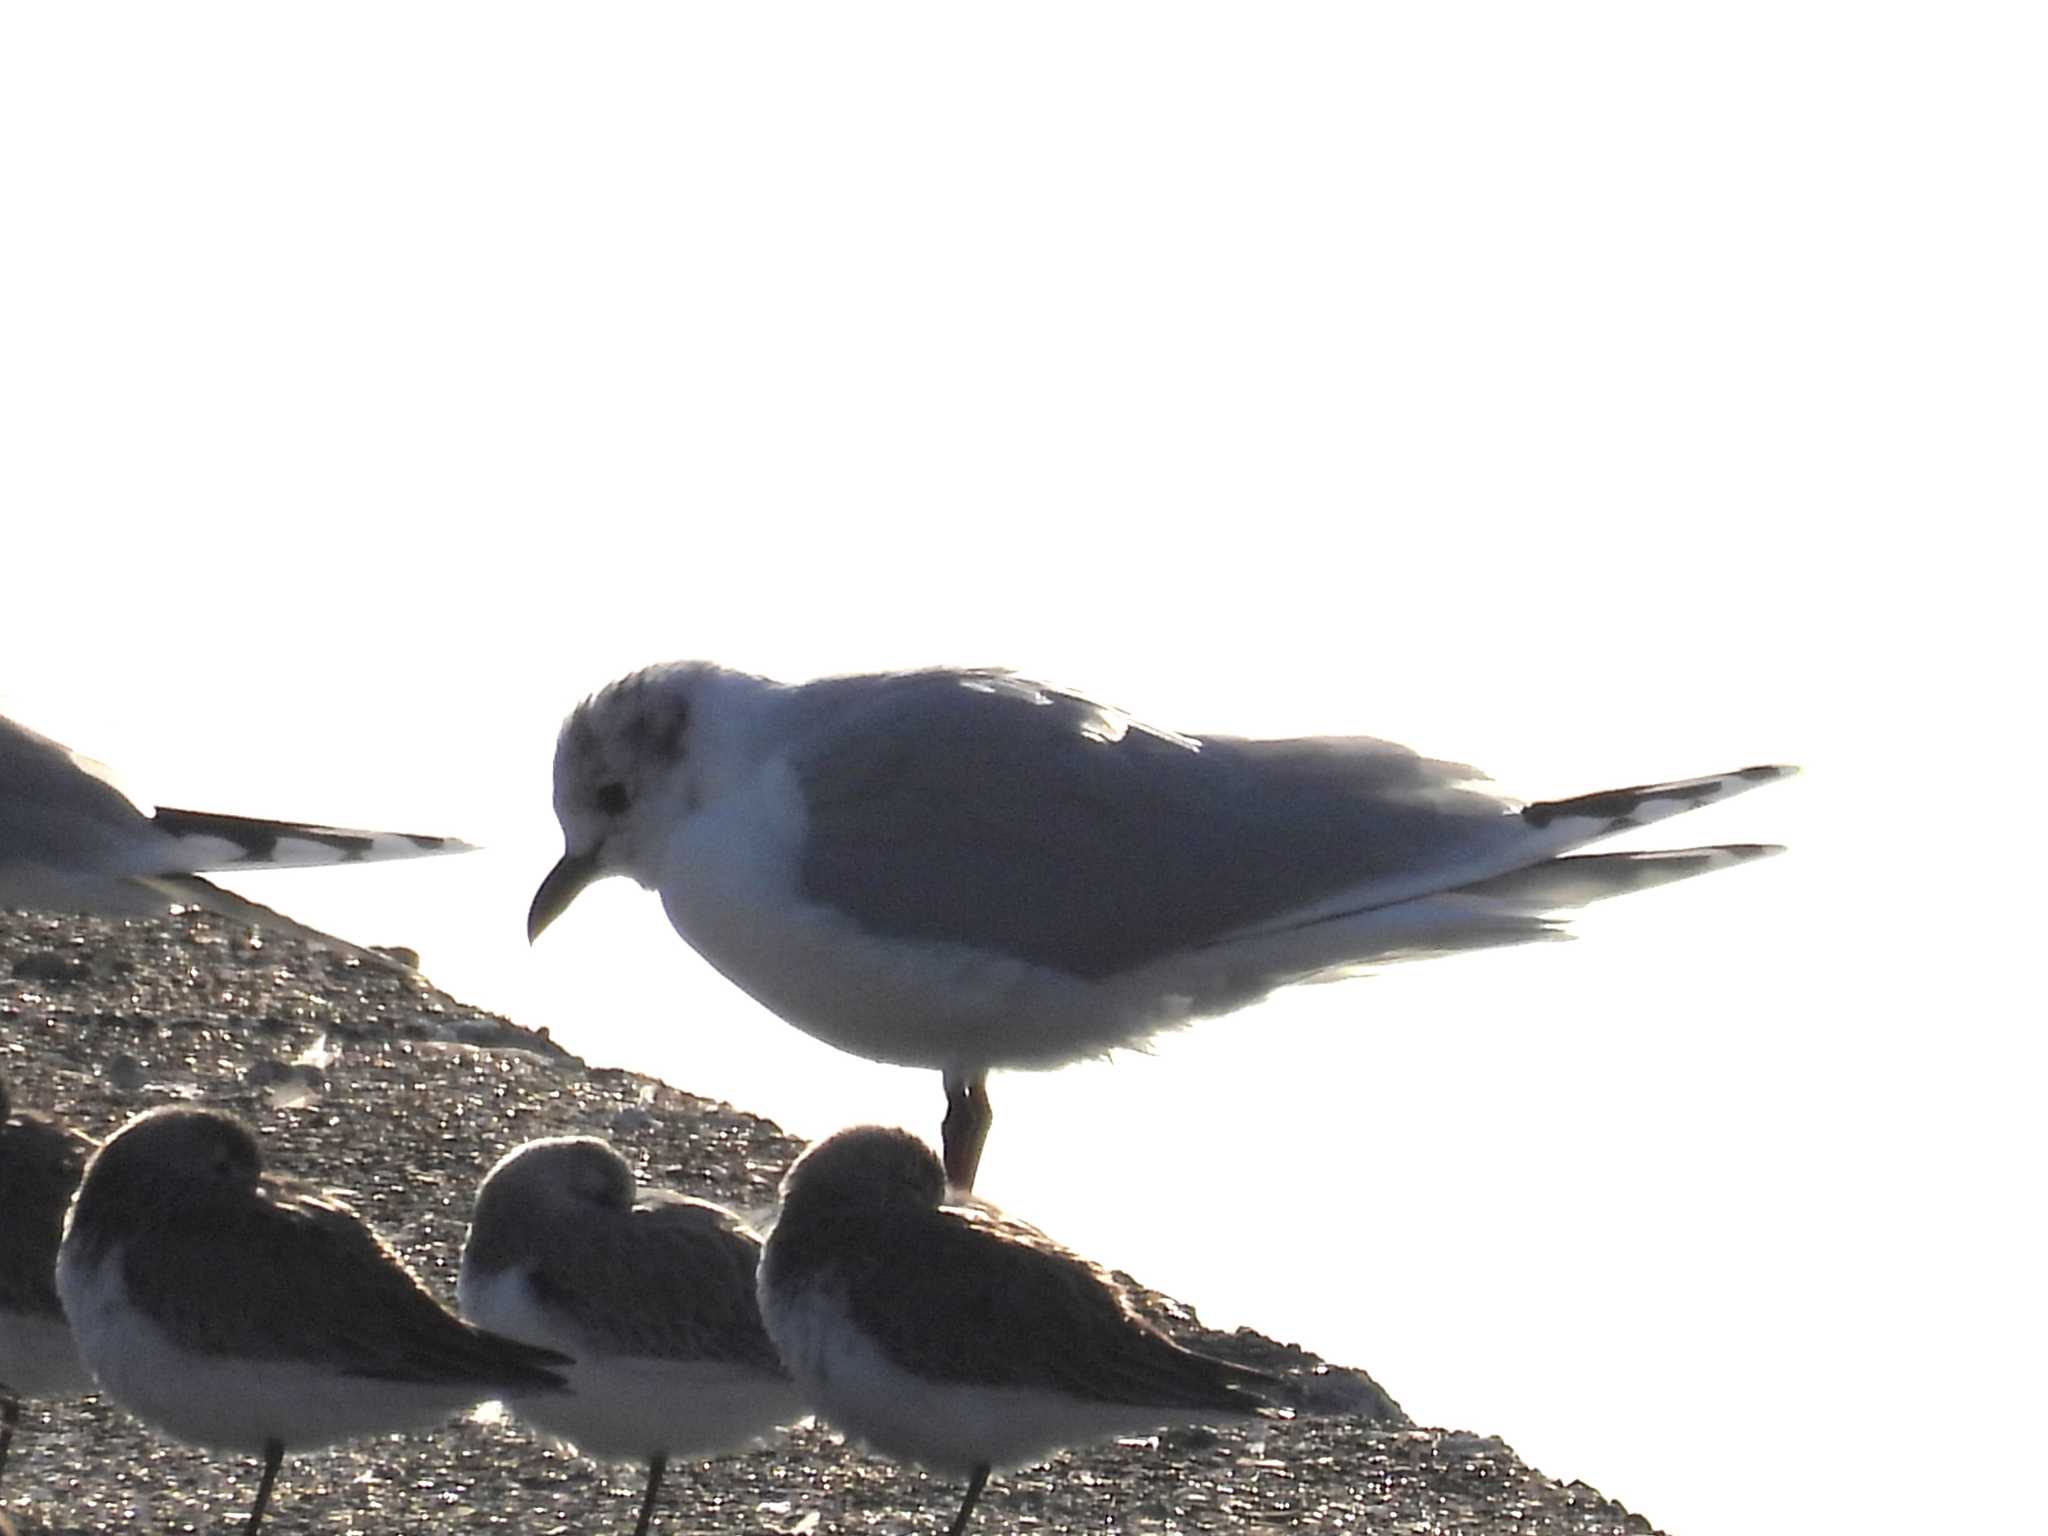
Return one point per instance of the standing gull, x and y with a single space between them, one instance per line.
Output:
954 1337
963 870
653 1298
40 1162
244 1311
71 842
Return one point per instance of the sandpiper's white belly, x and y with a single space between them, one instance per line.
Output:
233 1402
948 1426
625 1406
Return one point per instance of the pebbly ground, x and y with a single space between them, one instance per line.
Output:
369 1080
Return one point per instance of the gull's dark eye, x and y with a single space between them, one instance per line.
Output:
612 798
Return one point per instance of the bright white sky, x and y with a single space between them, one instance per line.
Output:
1596 393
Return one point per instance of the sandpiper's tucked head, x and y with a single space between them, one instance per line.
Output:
180 1145
868 1164
617 749
158 1164
558 1171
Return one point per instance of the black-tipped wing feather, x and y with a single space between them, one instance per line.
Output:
226 842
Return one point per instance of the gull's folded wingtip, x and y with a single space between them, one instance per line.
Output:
219 840
395 845
1586 818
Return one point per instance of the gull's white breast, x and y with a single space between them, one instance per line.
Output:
729 881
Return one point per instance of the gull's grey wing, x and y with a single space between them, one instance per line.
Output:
57 812
981 809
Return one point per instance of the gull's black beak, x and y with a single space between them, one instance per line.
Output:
562 886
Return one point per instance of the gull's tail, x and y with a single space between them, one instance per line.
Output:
1495 887
1508 888
1577 879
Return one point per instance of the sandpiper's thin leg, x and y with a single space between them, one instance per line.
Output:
273 1457
655 1468
974 1486
968 1117
10 1415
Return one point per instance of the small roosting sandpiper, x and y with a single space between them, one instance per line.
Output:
957 1338
41 1160
244 1311
653 1296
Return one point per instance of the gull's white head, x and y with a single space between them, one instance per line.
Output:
623 773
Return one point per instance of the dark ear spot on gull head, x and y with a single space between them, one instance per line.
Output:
656 729
613 746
